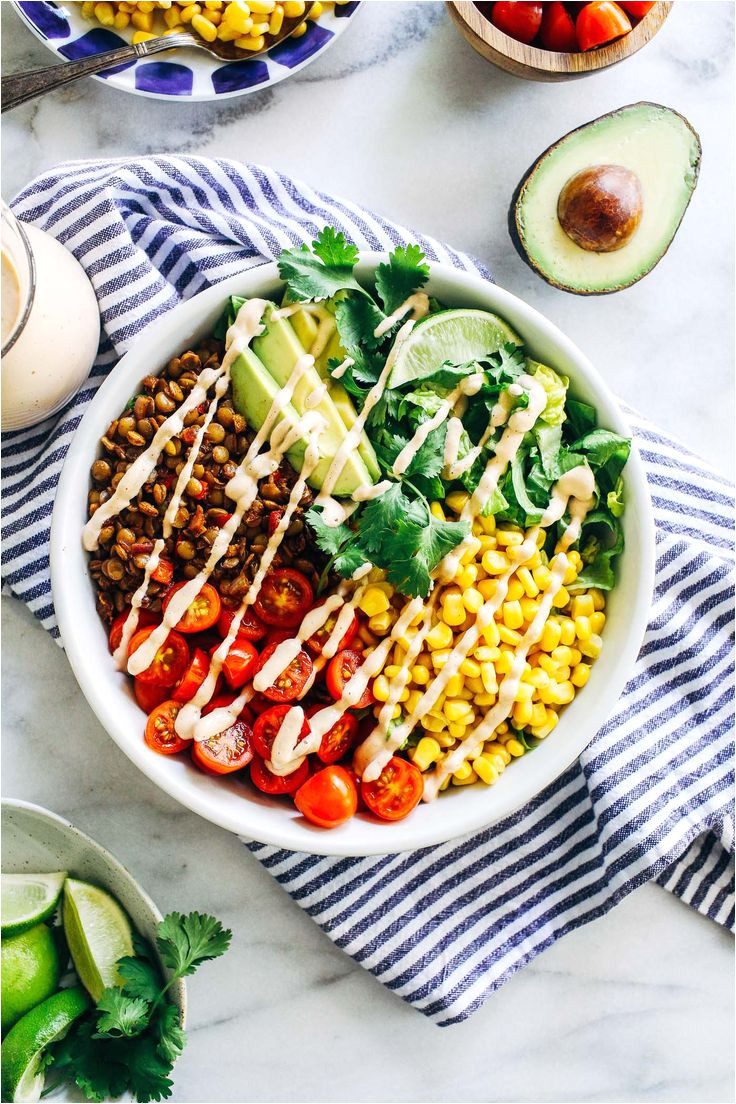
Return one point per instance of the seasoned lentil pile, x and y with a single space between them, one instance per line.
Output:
126 542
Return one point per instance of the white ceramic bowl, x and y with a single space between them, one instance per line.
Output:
238 806
35 840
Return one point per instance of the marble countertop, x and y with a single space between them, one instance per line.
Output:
402 116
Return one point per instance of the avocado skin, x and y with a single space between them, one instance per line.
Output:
515 231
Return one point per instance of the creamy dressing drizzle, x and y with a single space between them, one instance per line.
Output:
339 372
575 488
418 304
507 691
468 386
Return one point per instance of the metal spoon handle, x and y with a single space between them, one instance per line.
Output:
21 87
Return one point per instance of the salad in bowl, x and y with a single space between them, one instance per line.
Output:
356 548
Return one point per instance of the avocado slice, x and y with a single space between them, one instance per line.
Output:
654 143
278 349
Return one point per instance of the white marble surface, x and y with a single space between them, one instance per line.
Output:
402 116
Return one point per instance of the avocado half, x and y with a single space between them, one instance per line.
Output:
659 146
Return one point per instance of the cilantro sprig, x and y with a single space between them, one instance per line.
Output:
131 1040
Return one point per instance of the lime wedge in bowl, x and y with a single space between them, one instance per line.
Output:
22 1073
27 899
31 969
457 336
98 933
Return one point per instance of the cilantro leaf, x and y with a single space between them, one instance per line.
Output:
94 1065
148 1070
172 1037
429 459
140 977
381 516
186 941
330 538
405 272
333 250
357 317
348 560
417 549
323 270
120 1015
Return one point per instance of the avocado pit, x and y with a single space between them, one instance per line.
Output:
600 207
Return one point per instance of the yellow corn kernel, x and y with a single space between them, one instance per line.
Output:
316 11
542 576
522 713
142 36
491 635
425 753
561 598
562 674
524 692
529 608
444 739
276 20
565 692
570 575
104 14
488 588
504 662
583 630
367 636
488 524
454 685
189 11
293 8
466 576
464 776
509 538
582 606
562 656
262 7
146 6
513 618
88 11
440 658
404 695
142 20
484 700
580 675
381 688
453 610
237 15
473 684
495 563
210 5
472 599
538 678
551 634
457 710
439 636
494 748
539 714
526 579
599 599
225 33
457 501
420 675
259 29
515 591
380 623
472 550
544 731
485 770
597 621
433 723
121 20
435 509
470 668
251 42
391 671
509 636
591 648
412 701
567 632
373 601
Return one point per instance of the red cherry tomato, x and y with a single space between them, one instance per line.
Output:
160 733
341 670
600 23
396 792
250 627
558 29
274 518
149 696
226 752
317 640
169 662
145 618
222 701
193 677
328 798
638 10
163 572
339 739
241 663
269 783
202 613
284 598
267 726
518 20
289 684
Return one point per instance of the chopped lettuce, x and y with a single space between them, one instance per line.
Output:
556 388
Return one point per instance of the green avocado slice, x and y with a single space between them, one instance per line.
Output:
655 143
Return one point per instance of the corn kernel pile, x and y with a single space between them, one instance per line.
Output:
248 25
557 666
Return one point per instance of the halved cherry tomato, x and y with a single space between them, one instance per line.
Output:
149 696
267 726
160 733
226 752
396 792
284 598
222 701
277 636
263 779
203 611
339 739
274 518
163 572
341 670
145 618
289 684
518 20
558 29
169 662
241 663
250 627
638 10
317 640
328 798
193 677
600 23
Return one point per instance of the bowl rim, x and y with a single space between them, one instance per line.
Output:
249 823
179 988
536 59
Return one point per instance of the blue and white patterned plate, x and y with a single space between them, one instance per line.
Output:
195 75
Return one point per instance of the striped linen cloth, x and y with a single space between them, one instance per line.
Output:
651 798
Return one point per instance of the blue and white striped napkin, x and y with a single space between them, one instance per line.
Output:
651 798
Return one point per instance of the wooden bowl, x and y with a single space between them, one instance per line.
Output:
546 65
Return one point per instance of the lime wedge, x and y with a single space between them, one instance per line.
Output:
456 336
24 1045
98 933
30 971
27 899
